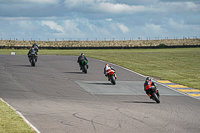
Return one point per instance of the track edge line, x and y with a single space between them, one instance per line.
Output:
34 128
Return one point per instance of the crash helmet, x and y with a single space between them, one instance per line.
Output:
148 78
106 64
35 44
32 49
82 54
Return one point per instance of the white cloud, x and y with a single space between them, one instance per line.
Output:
192 6
53 25
99 18
71 26
30 1
118 8
42 1
105 6
180 7
153 29
14 18
123 28
109 19
78 2
28 25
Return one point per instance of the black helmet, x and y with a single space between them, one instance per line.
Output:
82 54
148 78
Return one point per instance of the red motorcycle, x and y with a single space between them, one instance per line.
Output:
154 93
111 76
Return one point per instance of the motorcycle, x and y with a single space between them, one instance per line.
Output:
154 93
111 76
84 66
33 59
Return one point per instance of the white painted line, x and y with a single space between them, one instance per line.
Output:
123 68
34 128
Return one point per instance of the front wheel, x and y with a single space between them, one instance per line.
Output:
112 78
156 97
32 62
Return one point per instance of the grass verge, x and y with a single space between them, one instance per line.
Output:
11 122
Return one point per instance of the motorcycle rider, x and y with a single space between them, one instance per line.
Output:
148 84
32 50
80 59
107 67
35 46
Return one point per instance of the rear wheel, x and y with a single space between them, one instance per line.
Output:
84 69
112 78
156 97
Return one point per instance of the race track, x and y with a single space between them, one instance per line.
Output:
56 97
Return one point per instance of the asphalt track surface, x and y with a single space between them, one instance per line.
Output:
55 97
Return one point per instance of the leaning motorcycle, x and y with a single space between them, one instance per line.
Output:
111 76
154 94
84 66
33 59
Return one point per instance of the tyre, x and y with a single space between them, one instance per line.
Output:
112 79
156 97
84 69
32 62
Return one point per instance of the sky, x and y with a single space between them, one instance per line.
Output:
99 19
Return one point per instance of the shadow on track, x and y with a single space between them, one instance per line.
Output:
74 72
24 65
101 83
139 102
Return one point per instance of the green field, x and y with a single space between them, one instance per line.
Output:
178 65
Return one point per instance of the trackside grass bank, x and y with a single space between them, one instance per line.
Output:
178 65
11 122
